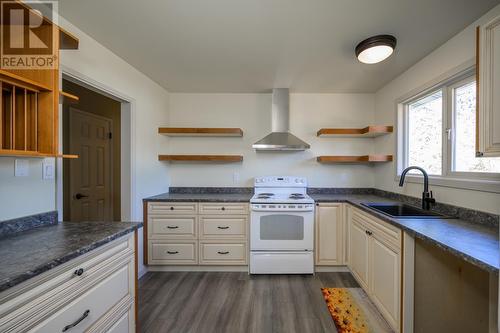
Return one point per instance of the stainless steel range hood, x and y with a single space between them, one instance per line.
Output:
280 139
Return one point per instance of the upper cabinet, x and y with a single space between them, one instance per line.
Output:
488 86
29 81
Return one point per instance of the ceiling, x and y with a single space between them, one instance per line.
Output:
255 45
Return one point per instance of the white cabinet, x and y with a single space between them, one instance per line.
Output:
101 296
385 261
375 261
358 252
190 233
329 234
488 78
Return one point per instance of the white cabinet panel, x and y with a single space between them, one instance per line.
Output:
358 252
488 71
172 227
172 208
222 227
224 208
223 253
385 279
173 252
329 234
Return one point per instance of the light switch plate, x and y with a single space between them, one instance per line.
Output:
21 168
48 168
236 177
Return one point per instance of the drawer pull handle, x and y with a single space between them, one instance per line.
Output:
223 208
79 272
172 252
173 227
171 208
223 228
70 326
369 233
223 252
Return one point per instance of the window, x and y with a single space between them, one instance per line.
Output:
425 124
439 133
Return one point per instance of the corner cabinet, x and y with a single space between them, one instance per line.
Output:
330 232
488 85
375 260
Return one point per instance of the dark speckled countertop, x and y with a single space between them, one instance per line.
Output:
201 197
474 242
27 254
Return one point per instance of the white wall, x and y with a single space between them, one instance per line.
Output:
149 105
455 52
252 112
22 196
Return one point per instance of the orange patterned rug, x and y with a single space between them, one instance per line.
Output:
346 313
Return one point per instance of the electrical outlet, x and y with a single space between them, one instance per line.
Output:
48 168
21 168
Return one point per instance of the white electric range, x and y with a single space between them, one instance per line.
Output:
281 226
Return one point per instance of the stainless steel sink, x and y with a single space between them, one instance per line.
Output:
400 210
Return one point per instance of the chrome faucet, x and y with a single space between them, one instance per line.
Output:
427 198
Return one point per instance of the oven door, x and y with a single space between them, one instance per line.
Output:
281 231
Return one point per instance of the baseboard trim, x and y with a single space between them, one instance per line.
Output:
192 268
341 269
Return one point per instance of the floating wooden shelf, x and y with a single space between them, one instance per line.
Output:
67 98
355 159
33 154
194 131
369 131
201 158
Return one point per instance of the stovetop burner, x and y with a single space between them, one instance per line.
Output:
265 195
297 196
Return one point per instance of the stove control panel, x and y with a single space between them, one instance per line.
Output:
283 207
280 181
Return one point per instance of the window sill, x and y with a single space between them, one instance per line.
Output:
481 185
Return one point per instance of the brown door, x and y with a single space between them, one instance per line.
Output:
90 174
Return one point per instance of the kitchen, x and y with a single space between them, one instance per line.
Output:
196 110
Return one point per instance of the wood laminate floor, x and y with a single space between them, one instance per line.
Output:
182 302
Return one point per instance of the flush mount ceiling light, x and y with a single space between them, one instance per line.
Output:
375 49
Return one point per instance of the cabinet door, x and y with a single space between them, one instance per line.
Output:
358 252
329 234
385 278
488 71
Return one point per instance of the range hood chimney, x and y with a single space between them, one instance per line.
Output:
280 138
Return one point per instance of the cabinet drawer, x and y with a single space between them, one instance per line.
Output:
224 208
383 229
179 253
88 308
172 208
223 227
223 253
176 227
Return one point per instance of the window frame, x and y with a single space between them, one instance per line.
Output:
487 182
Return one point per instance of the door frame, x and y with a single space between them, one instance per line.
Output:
72 110
128 129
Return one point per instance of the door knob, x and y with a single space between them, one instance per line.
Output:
78 196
